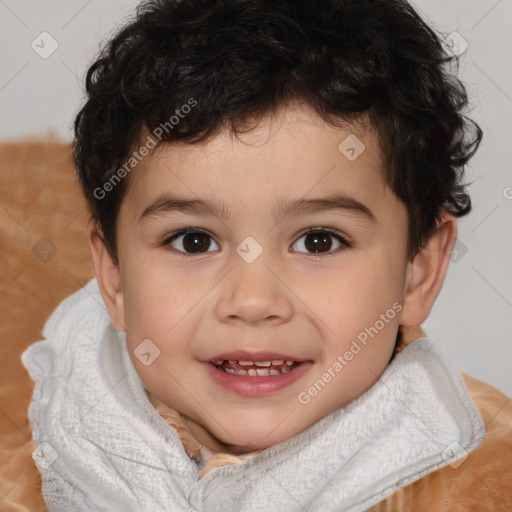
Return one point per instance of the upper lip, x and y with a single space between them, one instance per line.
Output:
252 356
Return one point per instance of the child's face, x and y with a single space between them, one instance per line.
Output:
225 301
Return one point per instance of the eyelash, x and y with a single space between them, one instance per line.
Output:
345 244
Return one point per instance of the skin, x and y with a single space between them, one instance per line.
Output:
309 305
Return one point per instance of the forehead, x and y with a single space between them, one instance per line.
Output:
291 154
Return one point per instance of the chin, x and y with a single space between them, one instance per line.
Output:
247 438
241 446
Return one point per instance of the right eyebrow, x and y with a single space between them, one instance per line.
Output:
169 204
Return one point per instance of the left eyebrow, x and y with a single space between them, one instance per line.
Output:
333 202
170 204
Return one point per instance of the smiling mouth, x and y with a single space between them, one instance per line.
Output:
255 368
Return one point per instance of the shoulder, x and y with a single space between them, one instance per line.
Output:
483 481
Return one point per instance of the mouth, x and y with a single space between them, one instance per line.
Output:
267 368
255 374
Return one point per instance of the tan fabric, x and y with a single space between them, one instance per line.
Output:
483 482
39 198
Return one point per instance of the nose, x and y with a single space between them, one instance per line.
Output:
254 293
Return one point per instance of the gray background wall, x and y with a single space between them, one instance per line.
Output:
472 318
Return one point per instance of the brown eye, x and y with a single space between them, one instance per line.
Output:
191 242
320 241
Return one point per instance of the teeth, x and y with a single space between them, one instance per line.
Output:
263 363
262 372
235 372
275 362
263 367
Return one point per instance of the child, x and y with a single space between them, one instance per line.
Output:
274 189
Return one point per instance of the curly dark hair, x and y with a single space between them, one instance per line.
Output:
237 60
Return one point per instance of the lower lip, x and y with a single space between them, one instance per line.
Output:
258 384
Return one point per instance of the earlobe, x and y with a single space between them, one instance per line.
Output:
427 271
107 275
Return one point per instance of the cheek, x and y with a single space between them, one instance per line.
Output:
144 304
364 291
161 304
362 304
151 291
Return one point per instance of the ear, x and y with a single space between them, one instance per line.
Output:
107 275
426 272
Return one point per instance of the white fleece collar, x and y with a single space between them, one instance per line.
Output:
102 445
